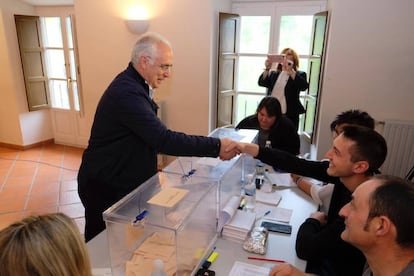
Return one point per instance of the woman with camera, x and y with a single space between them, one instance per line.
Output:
284 81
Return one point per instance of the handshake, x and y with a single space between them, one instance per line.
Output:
230 148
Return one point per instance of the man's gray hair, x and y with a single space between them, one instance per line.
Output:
146 46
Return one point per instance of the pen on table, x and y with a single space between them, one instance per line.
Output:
212 251
210 259
242 203
265 214
266 260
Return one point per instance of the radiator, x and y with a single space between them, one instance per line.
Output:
400 141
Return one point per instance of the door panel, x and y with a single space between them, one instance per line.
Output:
30 46
226 65
319 33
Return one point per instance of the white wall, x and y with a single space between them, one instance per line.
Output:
16 123
370 62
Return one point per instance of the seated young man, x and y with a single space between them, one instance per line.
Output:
272 126
322 194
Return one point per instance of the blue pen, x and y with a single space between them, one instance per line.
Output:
265 214
190 173
140 216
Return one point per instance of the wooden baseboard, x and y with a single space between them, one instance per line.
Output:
20 147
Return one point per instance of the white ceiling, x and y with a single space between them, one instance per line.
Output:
48 2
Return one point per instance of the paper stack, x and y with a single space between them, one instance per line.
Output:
239 226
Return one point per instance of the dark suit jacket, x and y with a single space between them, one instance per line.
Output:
292 90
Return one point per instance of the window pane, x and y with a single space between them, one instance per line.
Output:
59 94
247 105
254 34
314 81
295 33
55 64
310 115
52 34
72 65
75 95
69 31
303 65
249 70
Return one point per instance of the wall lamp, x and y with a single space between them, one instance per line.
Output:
137 21
137 26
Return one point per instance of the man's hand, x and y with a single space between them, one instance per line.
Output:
228 149
319 216
286 270
251 149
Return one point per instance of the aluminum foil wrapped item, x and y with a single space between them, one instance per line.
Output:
256 242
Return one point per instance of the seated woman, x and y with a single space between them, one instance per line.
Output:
272 126
48 244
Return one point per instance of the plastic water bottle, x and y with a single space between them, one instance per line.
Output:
158 268
260 169
250 193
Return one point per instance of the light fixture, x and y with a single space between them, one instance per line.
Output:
137 21
137 26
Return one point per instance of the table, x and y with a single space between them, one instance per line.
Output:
280 246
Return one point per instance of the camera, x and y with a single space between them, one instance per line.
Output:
289 62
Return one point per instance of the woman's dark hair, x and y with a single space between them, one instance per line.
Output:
272 106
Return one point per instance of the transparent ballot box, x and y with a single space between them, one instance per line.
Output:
168 217
230 175
207 166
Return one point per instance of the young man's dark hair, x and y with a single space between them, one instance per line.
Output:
353 117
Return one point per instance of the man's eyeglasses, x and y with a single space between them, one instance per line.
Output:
164 67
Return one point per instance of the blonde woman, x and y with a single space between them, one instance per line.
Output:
43 245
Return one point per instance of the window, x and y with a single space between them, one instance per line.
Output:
269 28
46 44
295 32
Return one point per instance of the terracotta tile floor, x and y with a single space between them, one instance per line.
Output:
40 180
